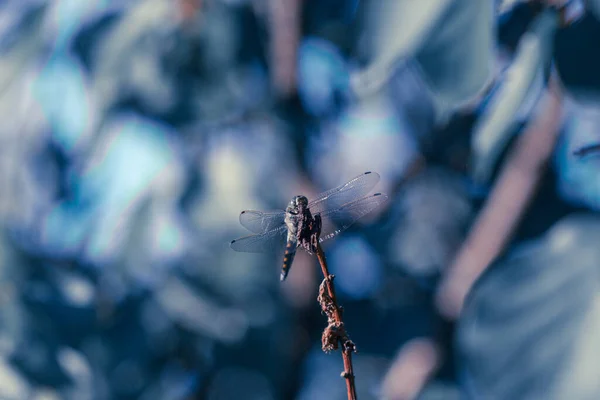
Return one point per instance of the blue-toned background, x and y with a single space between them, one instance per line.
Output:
132 134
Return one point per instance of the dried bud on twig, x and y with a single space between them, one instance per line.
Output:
335 332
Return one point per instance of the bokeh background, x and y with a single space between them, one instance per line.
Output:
132 134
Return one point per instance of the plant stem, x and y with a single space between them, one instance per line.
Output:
335 333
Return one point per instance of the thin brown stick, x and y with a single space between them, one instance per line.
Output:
512 193
335 334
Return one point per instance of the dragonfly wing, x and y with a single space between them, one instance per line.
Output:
261 222
272 241
338 220
354 189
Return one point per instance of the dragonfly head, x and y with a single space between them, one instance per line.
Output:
297 204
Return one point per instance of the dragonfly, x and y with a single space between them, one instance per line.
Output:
305 224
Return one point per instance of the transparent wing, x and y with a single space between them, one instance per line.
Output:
349 191
338 220
261 222
272 241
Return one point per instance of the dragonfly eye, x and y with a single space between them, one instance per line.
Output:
301 200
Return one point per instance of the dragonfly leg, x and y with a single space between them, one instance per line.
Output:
315 233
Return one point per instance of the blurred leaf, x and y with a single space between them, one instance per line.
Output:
436 212
577 177
73 119
321 73
527 329
20 43
451 40
395 30
128 59
13 385
533 56
458 57
368 135
200 313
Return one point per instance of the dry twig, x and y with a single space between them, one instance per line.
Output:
506 204
335 334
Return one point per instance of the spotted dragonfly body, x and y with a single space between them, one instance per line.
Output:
303 229
305 223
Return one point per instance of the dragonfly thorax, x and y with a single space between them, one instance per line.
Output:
297 215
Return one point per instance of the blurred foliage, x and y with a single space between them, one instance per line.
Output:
134 132
539 340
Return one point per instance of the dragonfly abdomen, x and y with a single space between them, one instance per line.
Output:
288 258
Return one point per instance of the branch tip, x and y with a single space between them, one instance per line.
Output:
334 334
